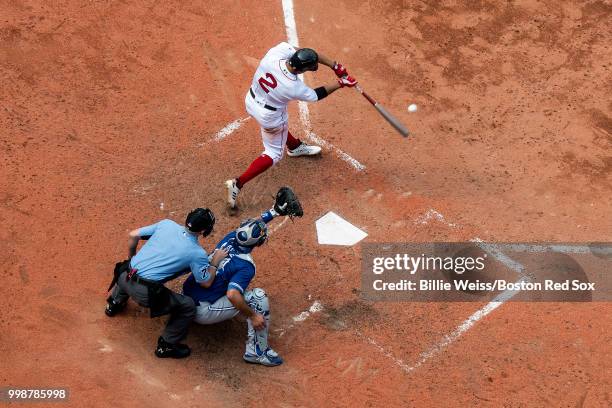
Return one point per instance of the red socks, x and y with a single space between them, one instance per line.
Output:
263 162
259 165
292 142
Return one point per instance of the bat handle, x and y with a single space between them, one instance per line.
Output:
365 95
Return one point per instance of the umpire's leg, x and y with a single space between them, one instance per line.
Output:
120 294
182 312
181 308
125 289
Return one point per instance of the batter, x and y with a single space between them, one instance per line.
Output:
274 85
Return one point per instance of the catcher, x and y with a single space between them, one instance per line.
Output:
228 295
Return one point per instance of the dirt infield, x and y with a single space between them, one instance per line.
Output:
109 112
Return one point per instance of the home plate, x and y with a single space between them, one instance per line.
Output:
335 230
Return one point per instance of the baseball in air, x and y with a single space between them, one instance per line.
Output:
412 108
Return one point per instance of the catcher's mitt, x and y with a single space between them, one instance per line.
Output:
287 203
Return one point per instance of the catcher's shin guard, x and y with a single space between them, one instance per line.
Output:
258 301
257 349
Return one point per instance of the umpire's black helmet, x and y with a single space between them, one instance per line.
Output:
200 220
305 59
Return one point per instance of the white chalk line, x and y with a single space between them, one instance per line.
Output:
316 307
385 352
450 338
433 214
226 131
496 252
292 37
312 137
290 25
467 324
142 374
277 227
500 256
476 316
563 248
229 129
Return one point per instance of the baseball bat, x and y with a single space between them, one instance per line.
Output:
384 113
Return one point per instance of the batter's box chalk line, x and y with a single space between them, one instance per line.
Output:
292 38
305 118
226 131
433 214
316 307
278 226
468 323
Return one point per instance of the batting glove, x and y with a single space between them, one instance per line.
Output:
339 70
347 81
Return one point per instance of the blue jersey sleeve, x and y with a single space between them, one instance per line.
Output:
241 279
268 216
148 230
199 266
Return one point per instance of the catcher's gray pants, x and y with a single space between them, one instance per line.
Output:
181 308
223 309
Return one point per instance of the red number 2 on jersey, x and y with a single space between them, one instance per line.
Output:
270 82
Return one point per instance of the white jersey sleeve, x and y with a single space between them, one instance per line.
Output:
302 92
283 50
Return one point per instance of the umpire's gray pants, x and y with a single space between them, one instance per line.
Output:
182 309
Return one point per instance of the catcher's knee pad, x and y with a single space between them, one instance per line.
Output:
257 299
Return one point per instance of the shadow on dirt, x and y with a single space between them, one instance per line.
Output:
352 314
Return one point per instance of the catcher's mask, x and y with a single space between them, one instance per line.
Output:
252 233
305 59
200 220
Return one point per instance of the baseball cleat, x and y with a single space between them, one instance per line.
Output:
112 307
268 357
166 350
304 150
232 192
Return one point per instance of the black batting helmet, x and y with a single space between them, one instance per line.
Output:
305 59
200 220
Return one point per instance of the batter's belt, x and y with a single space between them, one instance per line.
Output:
265 105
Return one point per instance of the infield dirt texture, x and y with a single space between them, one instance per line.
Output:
109 113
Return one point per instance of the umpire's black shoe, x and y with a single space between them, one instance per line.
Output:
112 307
165 349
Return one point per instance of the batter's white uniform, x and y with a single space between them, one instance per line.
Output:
274 86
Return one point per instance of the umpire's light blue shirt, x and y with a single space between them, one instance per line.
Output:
169 252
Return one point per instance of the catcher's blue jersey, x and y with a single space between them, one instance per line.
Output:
235 272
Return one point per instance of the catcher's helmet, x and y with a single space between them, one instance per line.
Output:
252 233
305 59
200 220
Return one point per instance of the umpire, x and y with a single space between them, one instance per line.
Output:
171 250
